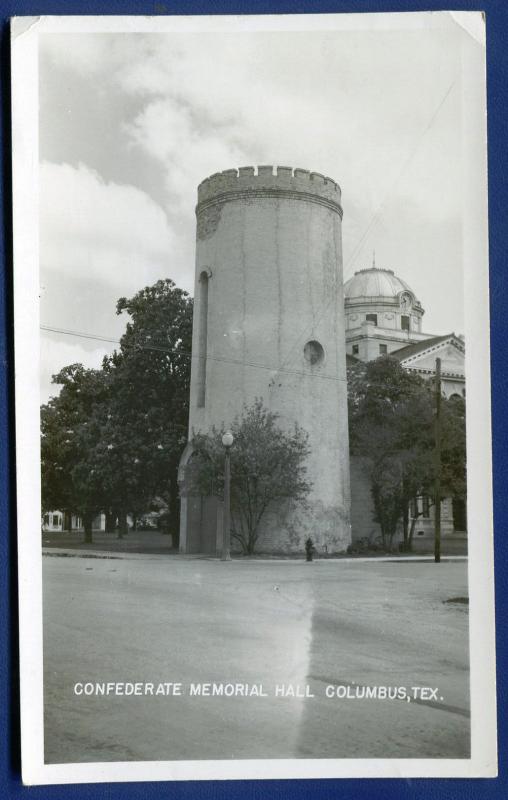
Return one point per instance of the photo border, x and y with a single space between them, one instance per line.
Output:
481 604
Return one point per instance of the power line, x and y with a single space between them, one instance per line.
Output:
78 334
356 250
186 354
375 218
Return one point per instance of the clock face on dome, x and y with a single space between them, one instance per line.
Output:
406 301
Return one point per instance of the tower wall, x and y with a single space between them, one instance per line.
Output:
268 281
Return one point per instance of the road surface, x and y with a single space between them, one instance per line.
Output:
324 628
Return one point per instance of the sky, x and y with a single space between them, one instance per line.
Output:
130 124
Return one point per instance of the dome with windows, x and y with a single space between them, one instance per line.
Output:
380 299
375 283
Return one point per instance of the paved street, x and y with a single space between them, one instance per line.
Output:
332 624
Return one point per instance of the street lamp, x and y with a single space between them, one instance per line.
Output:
227 441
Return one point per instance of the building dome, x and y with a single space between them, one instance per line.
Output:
374 283
381 313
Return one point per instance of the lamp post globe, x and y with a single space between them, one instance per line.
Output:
227 439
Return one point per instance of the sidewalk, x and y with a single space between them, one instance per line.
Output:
173 554
146 544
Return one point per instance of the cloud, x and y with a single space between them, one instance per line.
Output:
187 150
378 111
334 102
104 231
339 104
56 354
98 241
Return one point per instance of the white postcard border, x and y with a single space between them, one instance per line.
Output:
25 33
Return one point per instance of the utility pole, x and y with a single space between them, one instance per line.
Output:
437 467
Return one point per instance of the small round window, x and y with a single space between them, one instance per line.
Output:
314 353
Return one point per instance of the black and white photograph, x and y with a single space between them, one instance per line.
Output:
252 397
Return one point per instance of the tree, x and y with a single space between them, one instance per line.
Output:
453 448
391 430
267 466
150 402
391 414
69 438
112 439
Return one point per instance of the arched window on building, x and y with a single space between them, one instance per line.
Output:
405 323
202 337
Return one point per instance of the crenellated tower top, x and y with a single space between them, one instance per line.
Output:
269 181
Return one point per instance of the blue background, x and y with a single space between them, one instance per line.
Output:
497 85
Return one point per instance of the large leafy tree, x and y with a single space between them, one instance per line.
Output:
112 439
69 438
150 403
392 419
453 448
267 466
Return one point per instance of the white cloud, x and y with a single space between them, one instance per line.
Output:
381 114
352 105
187 151
373 110
357 106
56 354
104 231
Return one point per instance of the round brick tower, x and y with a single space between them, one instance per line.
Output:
269 323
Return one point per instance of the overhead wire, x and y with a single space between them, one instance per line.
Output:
177 351
377 214
324 307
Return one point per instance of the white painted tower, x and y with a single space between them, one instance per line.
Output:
269 323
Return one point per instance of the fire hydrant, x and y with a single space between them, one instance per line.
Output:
309 549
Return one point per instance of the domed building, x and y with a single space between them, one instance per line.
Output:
383 316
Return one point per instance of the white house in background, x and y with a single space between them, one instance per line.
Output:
53 521
58 522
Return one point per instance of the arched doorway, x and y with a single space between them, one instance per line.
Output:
200 514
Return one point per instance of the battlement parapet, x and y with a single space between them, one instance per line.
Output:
269 180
